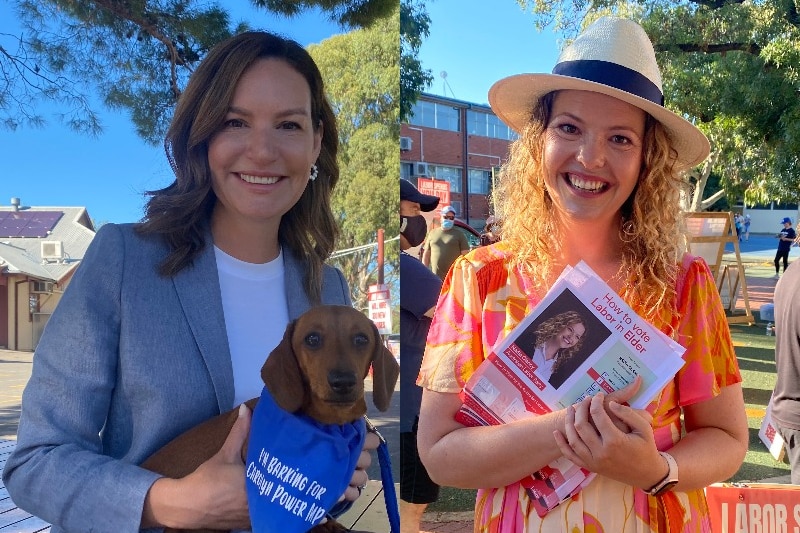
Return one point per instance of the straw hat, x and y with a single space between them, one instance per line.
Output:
613 56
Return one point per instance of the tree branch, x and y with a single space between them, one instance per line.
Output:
720 48
147 24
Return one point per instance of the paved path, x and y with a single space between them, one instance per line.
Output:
15 369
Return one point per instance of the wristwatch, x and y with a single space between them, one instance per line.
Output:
669 481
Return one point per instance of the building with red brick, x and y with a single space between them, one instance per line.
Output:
458 142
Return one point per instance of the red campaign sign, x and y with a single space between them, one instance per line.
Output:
754 508
438 188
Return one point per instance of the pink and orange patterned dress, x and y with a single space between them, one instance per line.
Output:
482 300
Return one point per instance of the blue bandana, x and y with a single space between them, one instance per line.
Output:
297 469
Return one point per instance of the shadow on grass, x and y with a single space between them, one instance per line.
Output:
454 500
757 473
747 363
755 396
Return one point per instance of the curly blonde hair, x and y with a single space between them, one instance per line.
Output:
552 327
652 226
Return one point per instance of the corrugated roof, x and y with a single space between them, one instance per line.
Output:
23 255
18 261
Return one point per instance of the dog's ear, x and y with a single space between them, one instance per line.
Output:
281 374
385 372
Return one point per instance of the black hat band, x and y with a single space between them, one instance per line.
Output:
613 75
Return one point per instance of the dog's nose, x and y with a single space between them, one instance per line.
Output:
341 382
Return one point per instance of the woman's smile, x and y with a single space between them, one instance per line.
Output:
592 154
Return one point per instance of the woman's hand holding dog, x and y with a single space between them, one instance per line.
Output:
360 477
213 496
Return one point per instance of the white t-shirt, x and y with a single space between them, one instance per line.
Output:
256 316
544 367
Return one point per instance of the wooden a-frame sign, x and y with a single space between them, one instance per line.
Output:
708 235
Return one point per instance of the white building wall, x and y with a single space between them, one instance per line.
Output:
768 221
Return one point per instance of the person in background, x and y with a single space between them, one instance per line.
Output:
444 244
739 225
490 234
785 239
419 290
747 227
167 322
595 176
786 395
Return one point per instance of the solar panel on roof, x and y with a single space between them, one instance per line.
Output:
32 224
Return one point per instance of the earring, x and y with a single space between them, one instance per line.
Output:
628 228
314 173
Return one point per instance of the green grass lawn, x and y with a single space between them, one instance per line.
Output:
756 354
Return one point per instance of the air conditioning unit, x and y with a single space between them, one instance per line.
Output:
52 250
421 169
405 144
41 286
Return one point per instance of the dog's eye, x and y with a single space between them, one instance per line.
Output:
360 340
313 340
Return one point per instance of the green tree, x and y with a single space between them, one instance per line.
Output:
414 27
732 68
136 55
361 72
350 13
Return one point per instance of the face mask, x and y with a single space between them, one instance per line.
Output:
413 229
448 224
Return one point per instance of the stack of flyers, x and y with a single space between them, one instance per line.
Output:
603 345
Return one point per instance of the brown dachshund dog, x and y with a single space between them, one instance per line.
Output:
318 369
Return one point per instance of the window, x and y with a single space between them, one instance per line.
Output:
498 129
435 115
477 123
406 170
41 286
488 125
479 181
450 174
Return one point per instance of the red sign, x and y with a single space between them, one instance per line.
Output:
754 508
438 188
380 310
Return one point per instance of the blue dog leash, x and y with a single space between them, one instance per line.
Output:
389 494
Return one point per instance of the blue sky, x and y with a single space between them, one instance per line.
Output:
478 42
475 41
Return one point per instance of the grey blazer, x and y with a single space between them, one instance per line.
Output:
128 361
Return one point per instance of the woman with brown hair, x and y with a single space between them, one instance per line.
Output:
168 322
